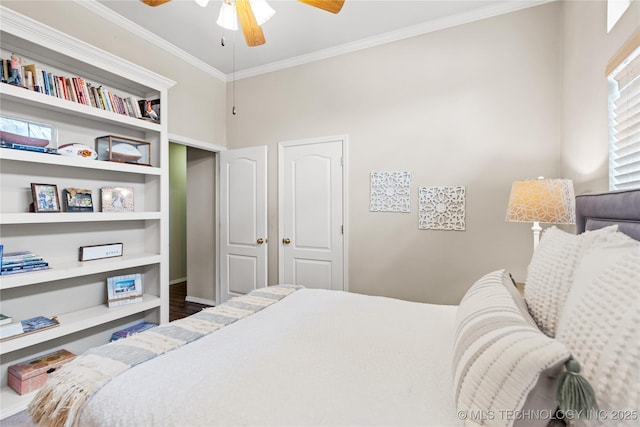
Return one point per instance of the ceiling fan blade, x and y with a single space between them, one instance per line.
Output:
252 31
154 2
332 6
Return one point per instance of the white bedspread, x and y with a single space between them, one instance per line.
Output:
315 358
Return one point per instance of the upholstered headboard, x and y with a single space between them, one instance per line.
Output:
595 211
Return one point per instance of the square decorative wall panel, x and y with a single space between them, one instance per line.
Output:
441 208
390 192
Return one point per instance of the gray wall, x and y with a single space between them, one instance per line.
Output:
201 235
477 105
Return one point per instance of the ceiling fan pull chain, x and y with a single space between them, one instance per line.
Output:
233 87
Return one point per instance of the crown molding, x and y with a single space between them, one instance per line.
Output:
404 33
150 37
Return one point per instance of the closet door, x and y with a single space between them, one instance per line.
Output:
243 216
311 214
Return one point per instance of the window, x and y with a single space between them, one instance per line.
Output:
623 74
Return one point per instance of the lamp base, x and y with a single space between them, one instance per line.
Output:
536 234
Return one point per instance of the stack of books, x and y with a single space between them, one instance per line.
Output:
22 262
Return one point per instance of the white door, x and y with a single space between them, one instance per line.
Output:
311 214
243 221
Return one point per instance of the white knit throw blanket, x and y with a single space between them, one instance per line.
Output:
59 402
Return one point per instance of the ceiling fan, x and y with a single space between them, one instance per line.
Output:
244 10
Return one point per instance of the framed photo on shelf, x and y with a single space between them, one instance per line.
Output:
150 109
117 199
77 200
45 198
123 290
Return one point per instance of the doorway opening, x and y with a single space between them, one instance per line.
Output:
193 269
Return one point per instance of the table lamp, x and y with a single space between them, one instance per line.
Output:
542 200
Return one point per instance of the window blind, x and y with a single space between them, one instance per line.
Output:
624 123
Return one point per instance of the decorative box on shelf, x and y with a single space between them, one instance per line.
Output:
31 375
122 149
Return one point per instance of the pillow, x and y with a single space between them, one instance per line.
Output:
550 273
502 364
600 324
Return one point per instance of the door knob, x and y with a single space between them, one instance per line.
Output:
286 240
260 240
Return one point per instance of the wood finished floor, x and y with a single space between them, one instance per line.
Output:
178 307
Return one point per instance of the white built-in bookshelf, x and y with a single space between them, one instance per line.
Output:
75 291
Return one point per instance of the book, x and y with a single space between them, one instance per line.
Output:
25 269
24 265
18 255
38 323
24 261
10 330
5 69
139 327
4 319
29 148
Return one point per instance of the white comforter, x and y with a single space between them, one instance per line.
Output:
314 358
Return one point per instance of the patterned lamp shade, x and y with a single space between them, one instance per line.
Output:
542 200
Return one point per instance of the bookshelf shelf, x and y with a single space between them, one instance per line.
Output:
72 162
71 217
10 93
80 320
70 269
11 402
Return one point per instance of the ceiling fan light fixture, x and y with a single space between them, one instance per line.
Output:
228 18
202 3
261 10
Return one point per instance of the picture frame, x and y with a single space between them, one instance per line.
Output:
150 109
125 289
117 199
45 197
108 250
77 200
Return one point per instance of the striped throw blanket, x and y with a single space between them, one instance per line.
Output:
59 402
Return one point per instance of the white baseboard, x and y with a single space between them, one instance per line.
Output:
200 300
176 281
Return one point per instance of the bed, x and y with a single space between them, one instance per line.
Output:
286 355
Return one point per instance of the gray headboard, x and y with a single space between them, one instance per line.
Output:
595 211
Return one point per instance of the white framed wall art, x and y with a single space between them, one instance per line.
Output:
390 192
441 208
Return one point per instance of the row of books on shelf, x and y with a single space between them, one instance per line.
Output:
10 328
76 89
20 262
